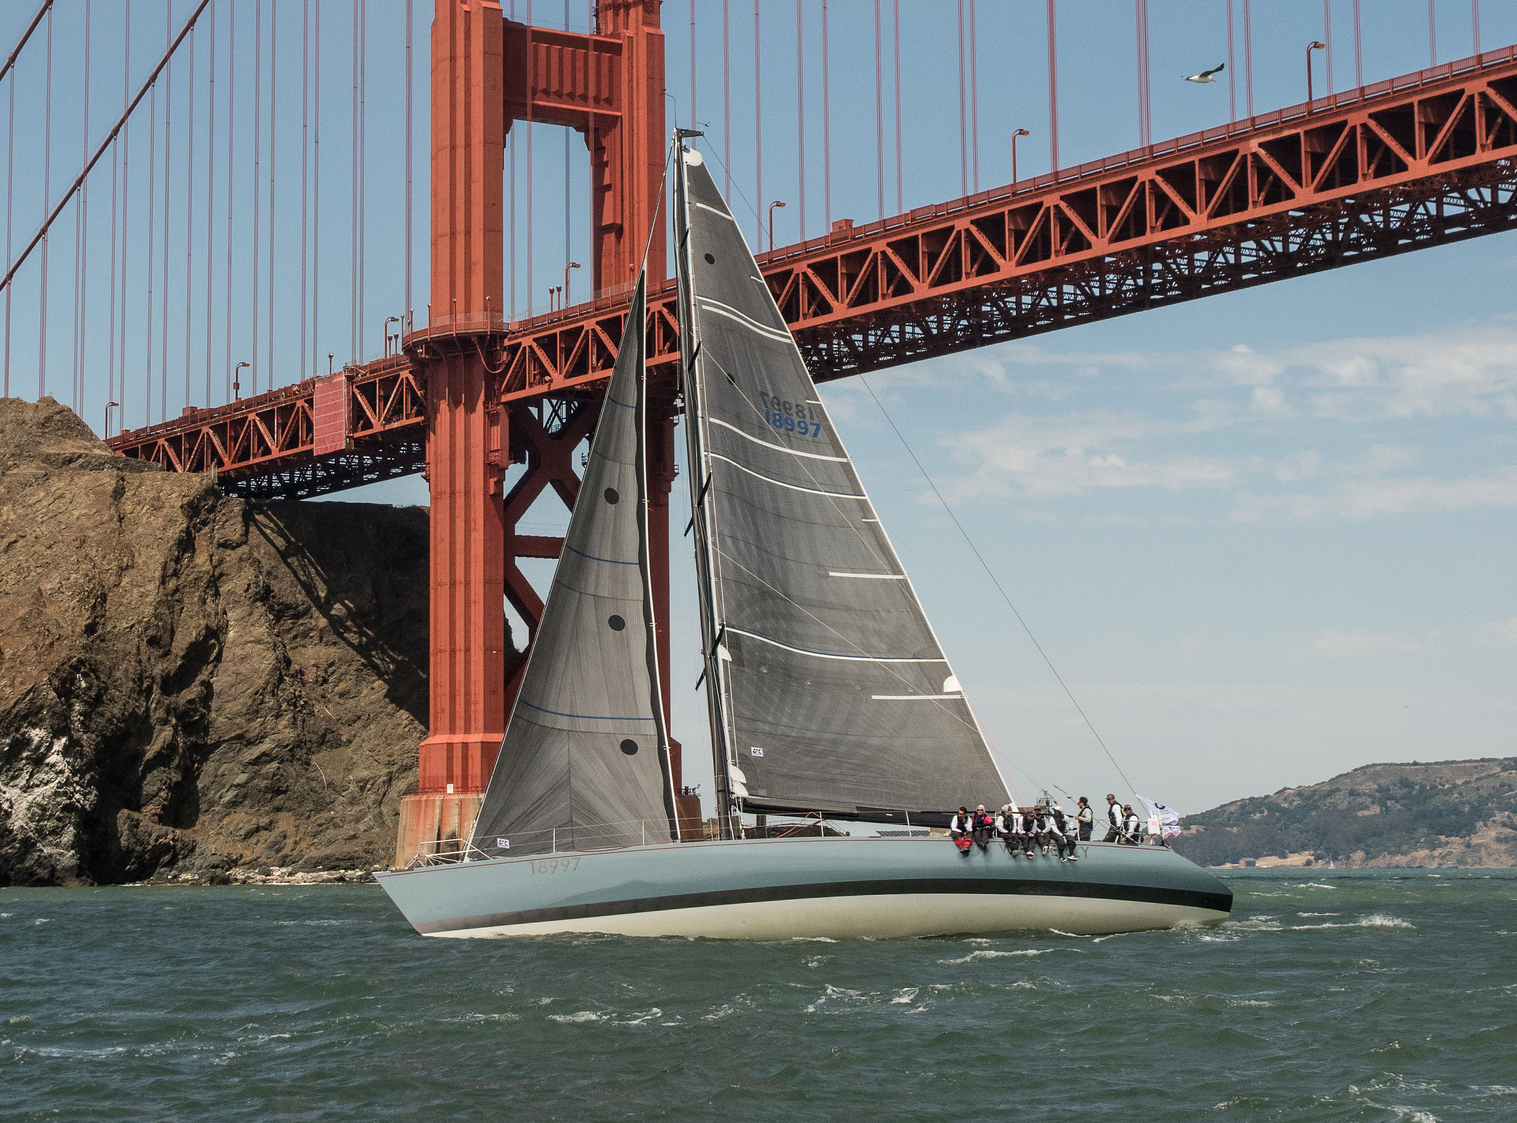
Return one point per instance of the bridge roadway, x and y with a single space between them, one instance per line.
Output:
1411 162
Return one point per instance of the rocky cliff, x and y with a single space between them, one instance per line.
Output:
193 685
1449 813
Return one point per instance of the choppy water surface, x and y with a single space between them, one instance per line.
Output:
1331 996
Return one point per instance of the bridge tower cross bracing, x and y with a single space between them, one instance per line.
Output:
488 73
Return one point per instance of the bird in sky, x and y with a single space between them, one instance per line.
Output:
1206 75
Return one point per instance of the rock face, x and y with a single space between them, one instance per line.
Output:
192 684
1449 813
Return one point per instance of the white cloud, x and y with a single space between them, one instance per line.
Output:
1501 632
1352 644
1369 498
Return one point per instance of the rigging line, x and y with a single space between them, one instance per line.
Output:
104 144
900 197
800 121
989 573
210 201
10 61
47 184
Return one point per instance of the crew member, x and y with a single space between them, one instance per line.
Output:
1063 833
1132 826
1085 818
960 825
984 826
1113 819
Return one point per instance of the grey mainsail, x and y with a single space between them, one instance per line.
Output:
829 691
585 760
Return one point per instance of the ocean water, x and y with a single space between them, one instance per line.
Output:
1365 996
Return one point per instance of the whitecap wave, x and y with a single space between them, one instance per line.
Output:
579 1017
991 953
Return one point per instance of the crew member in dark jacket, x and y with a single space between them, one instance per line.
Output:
984 827
1113 818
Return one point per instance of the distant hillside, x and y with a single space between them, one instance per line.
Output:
1450 813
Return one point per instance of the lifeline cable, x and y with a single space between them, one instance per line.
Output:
988 572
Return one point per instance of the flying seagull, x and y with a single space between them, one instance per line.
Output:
1206 75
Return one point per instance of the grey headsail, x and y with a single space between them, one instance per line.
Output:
585 759
829 690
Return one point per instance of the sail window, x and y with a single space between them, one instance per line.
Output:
616 622
612 496
629 746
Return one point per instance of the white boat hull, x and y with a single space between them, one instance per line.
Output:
809 888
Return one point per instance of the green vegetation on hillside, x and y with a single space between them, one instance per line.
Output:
1373 812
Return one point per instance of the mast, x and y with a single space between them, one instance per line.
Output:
713 672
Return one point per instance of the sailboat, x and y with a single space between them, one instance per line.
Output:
828 694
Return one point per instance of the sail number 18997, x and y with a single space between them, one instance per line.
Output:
555 865
790 417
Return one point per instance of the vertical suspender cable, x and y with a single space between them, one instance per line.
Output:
47 188
110 338
81 233
826 129
305 176
163 334
189 220
511 233
152 218
879 113
900 203
568 249
726 104
974 96
210 198
10 199
363 156
692 62
1358 50
1432 34
800 120
758 134
1327 38
316 195
1145 75
1232 82
406 310
1248 56
1475 23
353 204
1053 92
231 136
273 89
963 108
529 190
126 182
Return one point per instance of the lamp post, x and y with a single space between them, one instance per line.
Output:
1310 47
237 386
388 321
772 205
571 265
1017 133
108 407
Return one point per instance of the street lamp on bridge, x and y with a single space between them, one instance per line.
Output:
108 407
772 205
1310 47
1017 133
571 265
237 386
388 321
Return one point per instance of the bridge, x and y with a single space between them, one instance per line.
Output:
1391 166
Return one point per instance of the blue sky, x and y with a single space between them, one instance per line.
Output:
1265 537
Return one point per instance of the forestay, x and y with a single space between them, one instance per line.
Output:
836 696
585 760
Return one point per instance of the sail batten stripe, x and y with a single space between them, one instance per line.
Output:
830 655
579 717
742 319
715 211
782 483
592 557
909 697
614 402
778 448
869 576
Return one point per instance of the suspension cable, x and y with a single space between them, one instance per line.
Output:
231 136
152 216
895 8
189 222
994 581
727 97
800 120
1053 91
163 335
273 90
963 115
257 184
47 186
409 133
81 231
316 198
758 129
210 203
305 174
974 97
879 111
126 137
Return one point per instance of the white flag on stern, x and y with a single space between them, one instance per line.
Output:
1169 818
